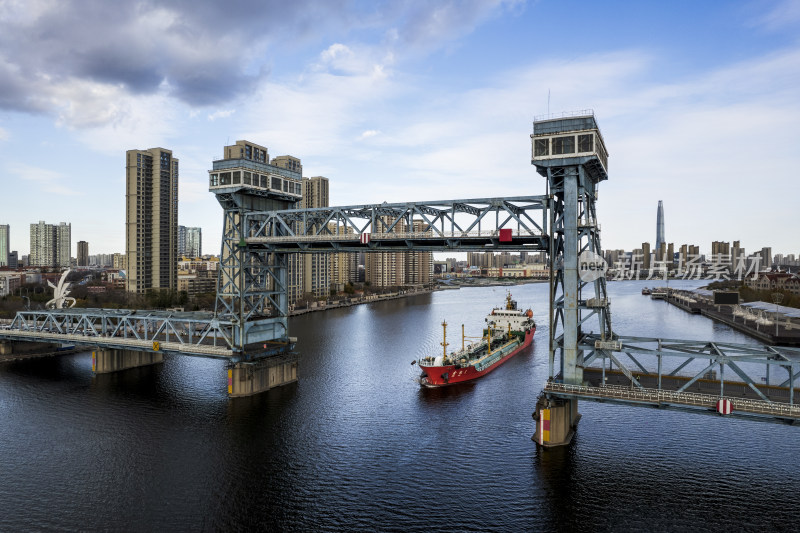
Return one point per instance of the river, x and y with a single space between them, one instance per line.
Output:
357 445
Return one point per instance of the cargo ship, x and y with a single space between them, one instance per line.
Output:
508 330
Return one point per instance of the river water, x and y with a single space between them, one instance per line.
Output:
357 445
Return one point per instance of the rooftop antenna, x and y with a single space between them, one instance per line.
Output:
548 102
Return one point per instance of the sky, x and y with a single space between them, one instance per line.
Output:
698 103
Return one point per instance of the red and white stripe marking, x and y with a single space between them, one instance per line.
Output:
365 238
724 407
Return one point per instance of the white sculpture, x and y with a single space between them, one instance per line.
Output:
60 293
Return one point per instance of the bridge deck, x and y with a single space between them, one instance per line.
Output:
702 393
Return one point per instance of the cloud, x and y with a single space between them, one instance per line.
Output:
61 57
4 136
46 181
783 14
367 134
221 114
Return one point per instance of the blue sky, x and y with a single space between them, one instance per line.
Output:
403 100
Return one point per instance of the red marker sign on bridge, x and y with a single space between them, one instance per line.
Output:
724 407
365 238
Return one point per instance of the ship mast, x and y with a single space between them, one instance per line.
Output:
444 339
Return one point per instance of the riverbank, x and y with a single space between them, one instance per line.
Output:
780 334
457 284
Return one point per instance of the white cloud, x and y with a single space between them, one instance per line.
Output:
44 180
221 114
367 134
783 14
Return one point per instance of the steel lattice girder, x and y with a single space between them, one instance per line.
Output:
448 225
716 354
189 333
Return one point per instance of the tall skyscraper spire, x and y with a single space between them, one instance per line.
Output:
659 226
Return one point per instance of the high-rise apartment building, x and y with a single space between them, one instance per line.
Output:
83 253
5 244
418 264
181 241
119 261
190 242
343 265
386 269
316 267
766 257
151 220
646 256
194 242
51 245
295 262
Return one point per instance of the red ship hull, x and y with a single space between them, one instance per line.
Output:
438 376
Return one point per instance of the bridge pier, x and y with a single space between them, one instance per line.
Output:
253 377
113 360
25 347
556 421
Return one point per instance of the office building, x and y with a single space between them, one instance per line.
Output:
151 220
660 227
51 245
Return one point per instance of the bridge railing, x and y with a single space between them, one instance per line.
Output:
657 396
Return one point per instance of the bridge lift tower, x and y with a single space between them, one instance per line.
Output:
252 283
569 151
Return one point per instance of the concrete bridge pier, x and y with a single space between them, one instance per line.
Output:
25 347
556 421
253 377
105 361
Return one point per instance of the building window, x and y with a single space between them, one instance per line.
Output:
247 178
585 143
264 182
237 177
563 145
541 147
276 183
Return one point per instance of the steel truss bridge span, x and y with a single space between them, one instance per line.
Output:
472 224
758 380
198 334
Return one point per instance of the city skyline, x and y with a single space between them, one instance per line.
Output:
387 105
